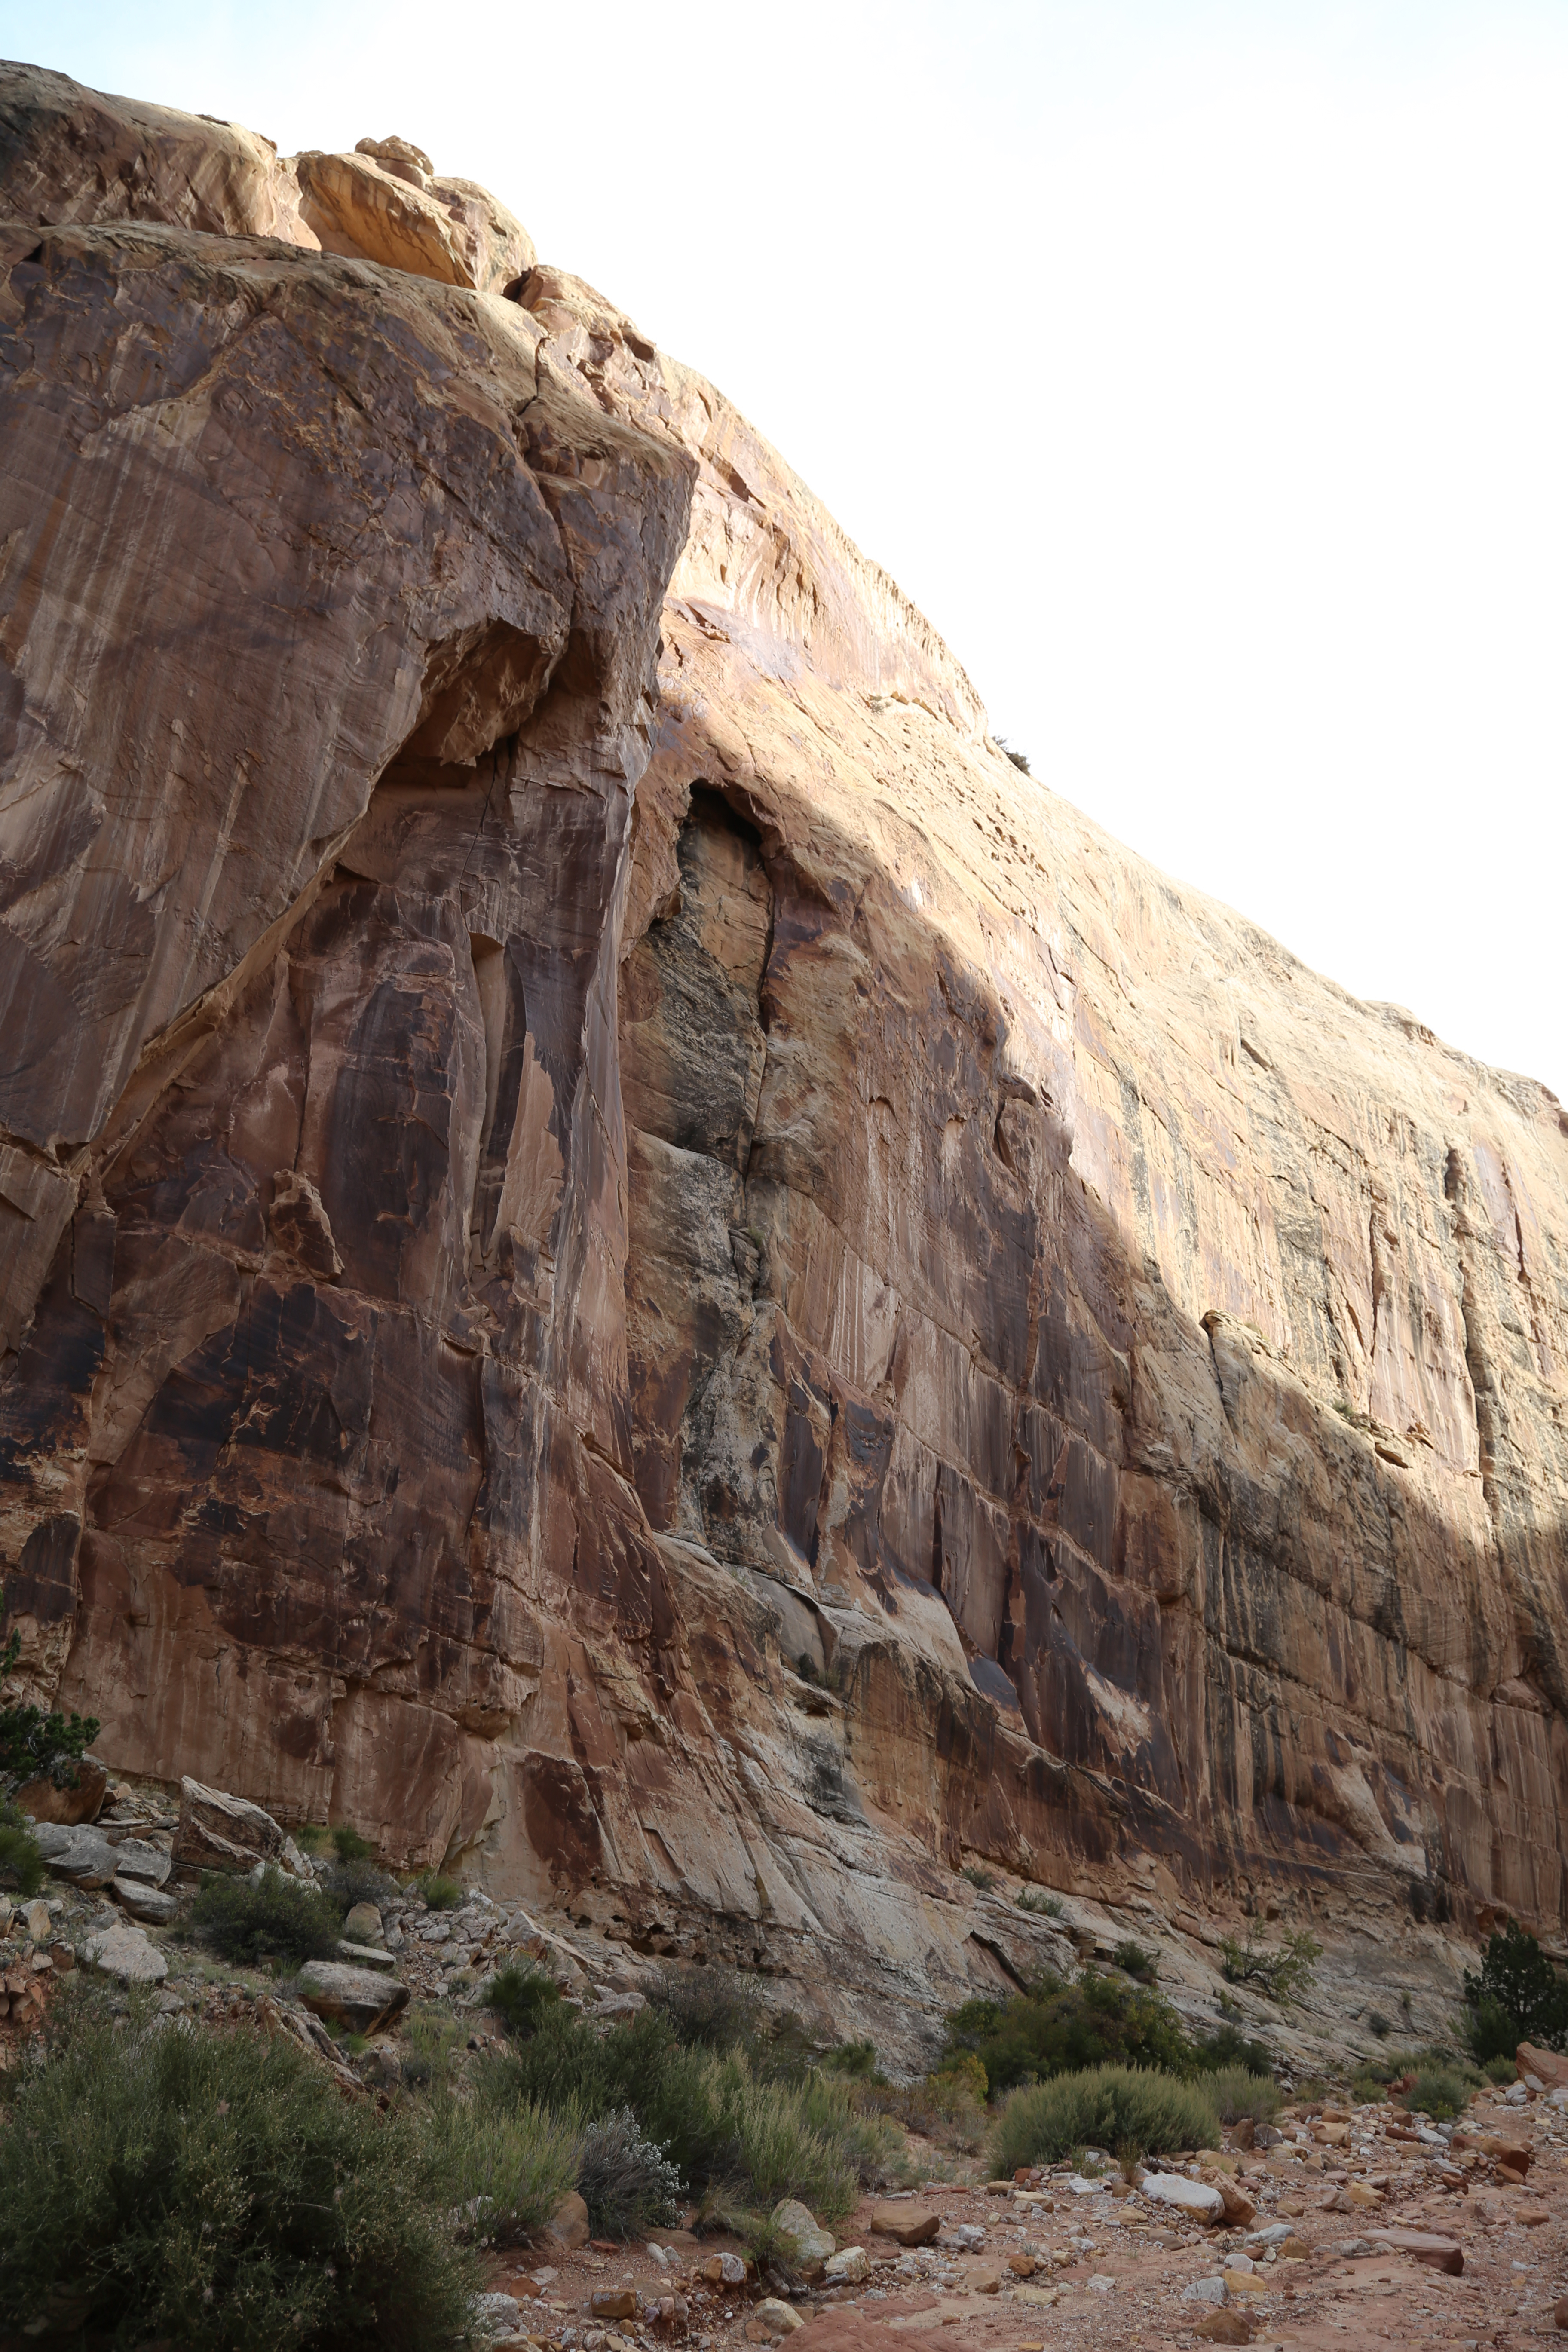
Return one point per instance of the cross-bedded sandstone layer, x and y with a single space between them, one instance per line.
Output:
686 1283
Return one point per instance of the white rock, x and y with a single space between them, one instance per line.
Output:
1274 2235
847 2267
498 2314
1101 2282
1189 2196
1209 2290
1082 2187
125 1952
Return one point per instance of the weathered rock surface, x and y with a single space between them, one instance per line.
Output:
688 1285
80 1800
126 1952
360 1999
217 1832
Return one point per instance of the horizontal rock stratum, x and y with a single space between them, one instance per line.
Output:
625 1253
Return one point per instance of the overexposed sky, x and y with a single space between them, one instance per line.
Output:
1201 370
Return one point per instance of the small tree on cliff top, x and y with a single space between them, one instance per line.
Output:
33 1743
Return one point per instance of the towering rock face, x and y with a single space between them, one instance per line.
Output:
684 1282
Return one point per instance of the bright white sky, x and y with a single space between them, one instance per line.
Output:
1202 370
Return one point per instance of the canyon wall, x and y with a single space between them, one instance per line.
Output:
623 1252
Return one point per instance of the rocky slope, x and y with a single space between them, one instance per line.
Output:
624 1252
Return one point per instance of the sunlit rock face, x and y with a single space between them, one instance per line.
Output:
627 1254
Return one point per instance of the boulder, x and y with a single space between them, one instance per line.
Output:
217 1832
772 2318
86 1860
908 2225
1226 2325
723 2270
568 2225
360 1998
126 1952
362 1924
1548 2066
37 1921
1200 2198
149 1904
496 2315
79 1803
1240 2211
1204 2290
367 1956
847 2267
1435 2253
809 2244
134 1858
614 2303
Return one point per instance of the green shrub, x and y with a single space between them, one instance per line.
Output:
1237 2091
855 2059
1033 1899
440 1894
979 1875
1057 2027
1283 1974
1228 2046
309 1837
1501 2070
278 1920
504 2166
1379 2025
433 2040
625 2179
348 1883
1134 1961
349 1846
1440 2092
216 2190
708 2008
1135 2112
519 1994
21 1862
1519 1995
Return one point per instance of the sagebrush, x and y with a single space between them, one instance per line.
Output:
1131 2111
278 1919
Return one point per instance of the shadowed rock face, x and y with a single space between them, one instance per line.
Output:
689 1286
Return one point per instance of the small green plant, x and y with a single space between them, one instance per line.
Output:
1133 2111
21 1860
1060 2028
519 1994
433 2040
36 1744
979 1875
1379 2025
1044 1906
214 2190
349 1846
625 2180
1439 2092
275 1919
1237 2091
348 1883
1228 2046
1501 2070
1133 1961
310 1838
1518 1995
805 1667
440 1894
1283 1975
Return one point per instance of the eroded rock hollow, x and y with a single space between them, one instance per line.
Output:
622 1253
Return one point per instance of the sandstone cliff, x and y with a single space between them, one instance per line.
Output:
623 1250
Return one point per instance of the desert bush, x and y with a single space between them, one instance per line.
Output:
1134 2111
33 1742
433 2040
215 2191
349 1846
1057 2027
504 2166
708 2008
519 1994
21 1862
625 2180
1228 2046
1517 1991
1440 2092
439 1893
947 2106
277 1918
1379 2025
1132 1959
1034 1898
1501 2070
1237 2091
855 2059
979 1875
356 1881
1283 1974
